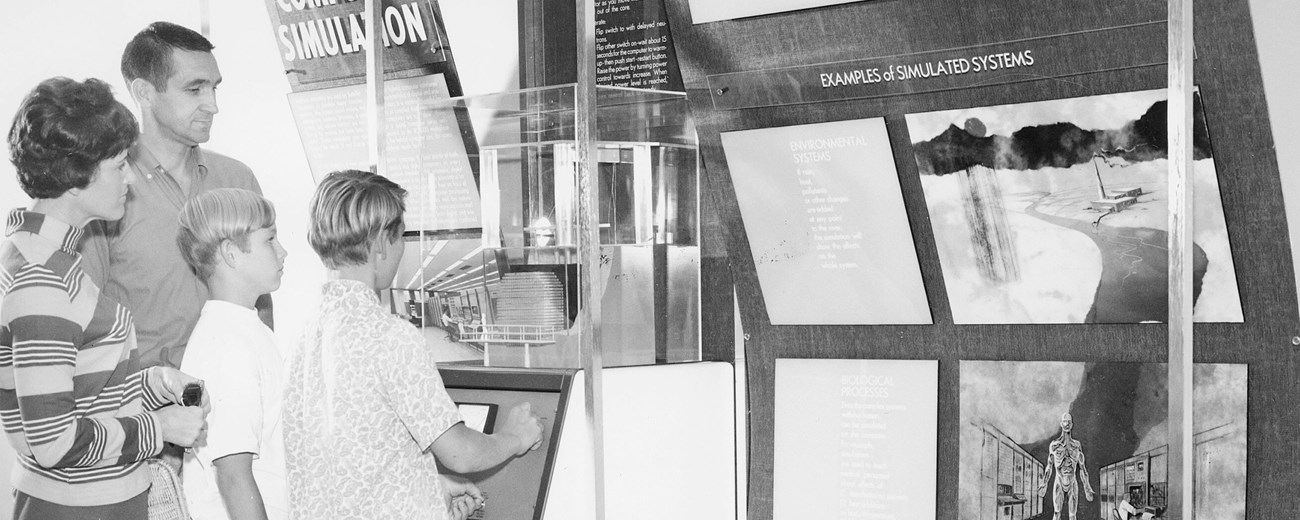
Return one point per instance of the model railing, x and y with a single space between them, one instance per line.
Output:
501 333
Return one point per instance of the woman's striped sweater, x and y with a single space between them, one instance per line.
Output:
73 402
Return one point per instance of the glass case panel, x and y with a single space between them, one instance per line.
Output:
514 295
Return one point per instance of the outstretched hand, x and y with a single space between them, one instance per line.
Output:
522 423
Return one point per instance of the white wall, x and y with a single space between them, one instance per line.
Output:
1277 40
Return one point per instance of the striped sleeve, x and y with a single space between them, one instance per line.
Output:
61 431
149 382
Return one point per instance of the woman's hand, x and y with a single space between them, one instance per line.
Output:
182 425
172 382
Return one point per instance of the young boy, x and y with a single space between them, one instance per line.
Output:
227 236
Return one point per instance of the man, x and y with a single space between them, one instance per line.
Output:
1065 456
1128 511
172 75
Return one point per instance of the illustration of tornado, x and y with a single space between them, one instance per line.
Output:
991 239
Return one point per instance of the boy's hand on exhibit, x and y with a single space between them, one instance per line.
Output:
522 423
455 486
463 497
461 507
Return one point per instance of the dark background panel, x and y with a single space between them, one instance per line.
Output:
1227 73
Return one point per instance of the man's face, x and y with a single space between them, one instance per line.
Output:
1067 423
184 109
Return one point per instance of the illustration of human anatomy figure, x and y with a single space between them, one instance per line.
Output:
1065 456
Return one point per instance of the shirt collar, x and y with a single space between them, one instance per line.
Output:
339 289
226 308
67 236
148 165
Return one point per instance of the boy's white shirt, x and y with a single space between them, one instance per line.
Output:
235 355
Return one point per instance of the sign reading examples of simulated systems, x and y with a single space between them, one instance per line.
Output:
1031 59
824 213
855 439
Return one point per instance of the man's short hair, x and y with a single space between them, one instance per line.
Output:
216 216
350 210
149 54
61 132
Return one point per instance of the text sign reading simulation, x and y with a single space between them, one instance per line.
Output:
323 40
1033 59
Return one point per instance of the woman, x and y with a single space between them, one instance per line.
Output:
366 414
80 446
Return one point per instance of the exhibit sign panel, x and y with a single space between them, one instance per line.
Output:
1056 211
824 213
704 11
326 41
855 439
634 47
1033 432
425 151
1051 56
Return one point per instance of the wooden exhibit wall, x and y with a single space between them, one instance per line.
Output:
1228 76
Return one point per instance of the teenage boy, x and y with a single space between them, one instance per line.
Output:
367 418
228 237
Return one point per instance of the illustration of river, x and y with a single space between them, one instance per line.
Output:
1133 285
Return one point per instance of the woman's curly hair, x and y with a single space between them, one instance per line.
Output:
62 131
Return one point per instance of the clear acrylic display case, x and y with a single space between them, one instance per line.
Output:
514 294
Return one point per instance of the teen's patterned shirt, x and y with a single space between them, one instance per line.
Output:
363 403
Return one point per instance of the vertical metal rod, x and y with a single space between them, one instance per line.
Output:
742 411
375 84
1180 259
205 18
591 283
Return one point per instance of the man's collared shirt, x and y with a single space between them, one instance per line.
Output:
137 261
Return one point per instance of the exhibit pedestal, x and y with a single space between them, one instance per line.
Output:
669 441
